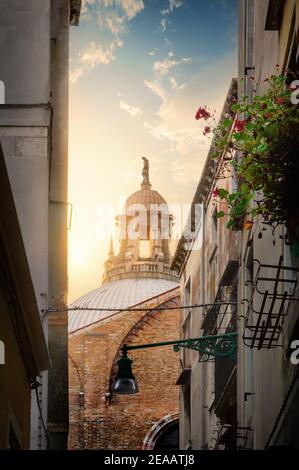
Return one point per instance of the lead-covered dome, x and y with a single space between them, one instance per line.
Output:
117 294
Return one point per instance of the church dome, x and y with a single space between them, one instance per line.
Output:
117 294
146 197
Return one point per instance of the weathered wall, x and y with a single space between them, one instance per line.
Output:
203 269
264 374
34 50
101 421
24 121
15 389
58 222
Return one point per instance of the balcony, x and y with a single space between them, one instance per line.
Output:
222 316
273 287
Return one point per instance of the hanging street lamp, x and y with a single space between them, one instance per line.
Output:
211 346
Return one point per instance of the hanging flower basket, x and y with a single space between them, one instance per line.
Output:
262 152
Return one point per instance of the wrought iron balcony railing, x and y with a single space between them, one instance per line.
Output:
219 317
272 289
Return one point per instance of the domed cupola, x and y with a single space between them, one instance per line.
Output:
145 232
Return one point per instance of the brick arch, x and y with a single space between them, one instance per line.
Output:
133 332
157 429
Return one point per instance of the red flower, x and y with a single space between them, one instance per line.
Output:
207 130
215 192
202 113
239 126
268 115
280 100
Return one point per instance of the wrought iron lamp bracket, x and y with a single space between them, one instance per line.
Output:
217 346
224 345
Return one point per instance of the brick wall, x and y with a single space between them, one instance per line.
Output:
100 420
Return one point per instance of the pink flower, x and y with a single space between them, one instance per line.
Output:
202 113
292 87
239 126
207 130
215 192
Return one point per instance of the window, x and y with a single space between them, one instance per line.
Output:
144 249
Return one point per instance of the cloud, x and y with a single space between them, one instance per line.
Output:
93 55
76 74
163 24
131 110
112 22
130 8
163 67
96 54
165 21
168 42
157 88
174 122
175 4
174 84
112 18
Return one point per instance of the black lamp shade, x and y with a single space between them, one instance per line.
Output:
125 383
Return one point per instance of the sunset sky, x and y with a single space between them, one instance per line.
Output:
138 72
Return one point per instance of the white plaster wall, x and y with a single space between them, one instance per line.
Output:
25 50
25 70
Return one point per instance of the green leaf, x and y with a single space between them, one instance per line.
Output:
235 107
262 148
220 214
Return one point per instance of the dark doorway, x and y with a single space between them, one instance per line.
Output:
169 438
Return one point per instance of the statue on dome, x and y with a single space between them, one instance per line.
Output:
145 172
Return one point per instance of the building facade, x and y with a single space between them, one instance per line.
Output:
34 135
138 277
208 272
23 352
250 276
268 389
